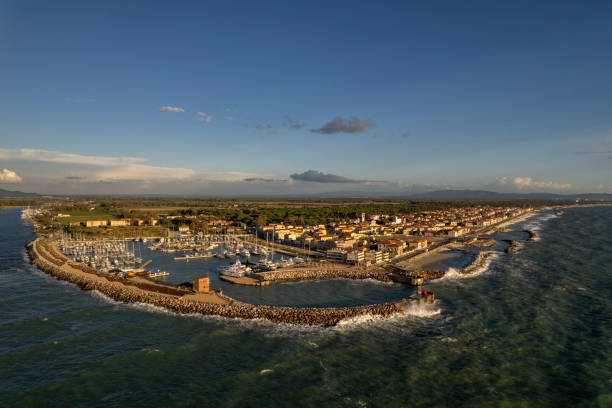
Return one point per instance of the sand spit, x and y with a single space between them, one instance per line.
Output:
44 254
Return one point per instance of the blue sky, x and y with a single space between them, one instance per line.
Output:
283 97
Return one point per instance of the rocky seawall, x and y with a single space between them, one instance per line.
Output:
532 235
46 257
512 247
479 262
324 272
427 273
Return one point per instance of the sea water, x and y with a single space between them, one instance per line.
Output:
530 329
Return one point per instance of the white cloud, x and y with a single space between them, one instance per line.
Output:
83 169
9 176
171 109
60 157
101 167
204 117
528 184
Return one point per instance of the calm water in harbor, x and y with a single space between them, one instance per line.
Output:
532 329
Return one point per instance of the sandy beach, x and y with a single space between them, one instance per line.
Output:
428 261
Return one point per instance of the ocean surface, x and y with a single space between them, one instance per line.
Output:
530 329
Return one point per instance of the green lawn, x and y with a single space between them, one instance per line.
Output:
85 215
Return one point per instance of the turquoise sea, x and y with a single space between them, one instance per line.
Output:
532 329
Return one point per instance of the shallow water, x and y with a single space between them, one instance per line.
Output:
532 329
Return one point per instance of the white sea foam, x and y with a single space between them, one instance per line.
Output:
101 296
419 309
412 310
535 224
453 274
514 221
409 312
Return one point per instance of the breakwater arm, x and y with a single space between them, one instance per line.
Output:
532 235
44 255
324 272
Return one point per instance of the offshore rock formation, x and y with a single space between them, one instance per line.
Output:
513 245
45 256
532 235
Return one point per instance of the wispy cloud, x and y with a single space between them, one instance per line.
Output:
80 100
204 117
291 123
261 126
339 125
102 167
607 153
315 176
9 176
171 109
263 180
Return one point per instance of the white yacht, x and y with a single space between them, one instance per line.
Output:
236 270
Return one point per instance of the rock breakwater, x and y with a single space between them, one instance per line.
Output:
324 272
512 247
479 263
532 235
43 255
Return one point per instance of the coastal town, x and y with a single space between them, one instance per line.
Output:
363 240
368 245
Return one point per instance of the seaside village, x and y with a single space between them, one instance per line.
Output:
376 238
368 240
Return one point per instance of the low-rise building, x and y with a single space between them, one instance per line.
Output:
96 223
336 255
375 257
201 284
355 257
418 243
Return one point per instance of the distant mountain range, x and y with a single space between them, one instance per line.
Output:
471 195
430 195
8 193
491 195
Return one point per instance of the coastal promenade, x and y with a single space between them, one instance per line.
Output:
45 255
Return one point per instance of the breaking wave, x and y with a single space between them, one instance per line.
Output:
536 223
480 265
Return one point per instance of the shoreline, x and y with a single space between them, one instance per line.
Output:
46 257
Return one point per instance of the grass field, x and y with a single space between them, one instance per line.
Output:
81 216
118 232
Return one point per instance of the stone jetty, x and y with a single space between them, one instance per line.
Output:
478 263
513 245
320 272
532 235
45 255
